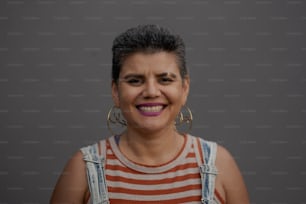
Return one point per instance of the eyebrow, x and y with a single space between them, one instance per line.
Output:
170 74
132 76
164 74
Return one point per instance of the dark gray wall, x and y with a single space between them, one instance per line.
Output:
248 68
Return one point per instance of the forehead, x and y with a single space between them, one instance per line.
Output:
143 63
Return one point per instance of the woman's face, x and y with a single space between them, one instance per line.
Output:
150 91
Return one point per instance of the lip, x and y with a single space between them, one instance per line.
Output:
144 109
150 104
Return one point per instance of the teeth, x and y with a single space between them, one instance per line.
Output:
151 108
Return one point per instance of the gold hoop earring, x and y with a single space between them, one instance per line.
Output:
114 116
185 118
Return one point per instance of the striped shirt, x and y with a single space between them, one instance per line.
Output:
177 181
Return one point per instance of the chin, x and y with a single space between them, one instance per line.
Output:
150 127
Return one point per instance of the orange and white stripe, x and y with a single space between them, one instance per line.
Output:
177 181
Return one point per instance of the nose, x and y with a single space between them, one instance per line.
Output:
151 89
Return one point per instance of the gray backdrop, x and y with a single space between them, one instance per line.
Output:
247 61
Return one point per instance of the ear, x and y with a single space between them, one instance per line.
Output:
186 85
115 93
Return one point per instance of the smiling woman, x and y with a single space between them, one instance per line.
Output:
150 161
150 85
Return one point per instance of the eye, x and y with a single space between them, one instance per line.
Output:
165 80
134 81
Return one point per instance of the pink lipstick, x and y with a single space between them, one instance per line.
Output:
150 109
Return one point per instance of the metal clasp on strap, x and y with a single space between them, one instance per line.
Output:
207 201
205 168
88 158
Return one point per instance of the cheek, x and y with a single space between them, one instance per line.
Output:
127 96
176 95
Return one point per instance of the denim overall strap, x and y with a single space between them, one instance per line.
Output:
95 166
208 171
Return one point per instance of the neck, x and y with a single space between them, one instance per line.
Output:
151 149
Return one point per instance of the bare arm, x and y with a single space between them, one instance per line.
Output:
72 185
231 178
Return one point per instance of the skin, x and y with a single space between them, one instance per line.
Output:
150 78
150 140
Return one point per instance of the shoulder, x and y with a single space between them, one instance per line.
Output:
223 156
230 174
72 186
72 183
75 165
76 160
226 164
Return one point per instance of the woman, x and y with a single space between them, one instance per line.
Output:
150 161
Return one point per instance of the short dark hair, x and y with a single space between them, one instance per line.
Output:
148 39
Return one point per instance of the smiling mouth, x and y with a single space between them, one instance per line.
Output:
150 109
